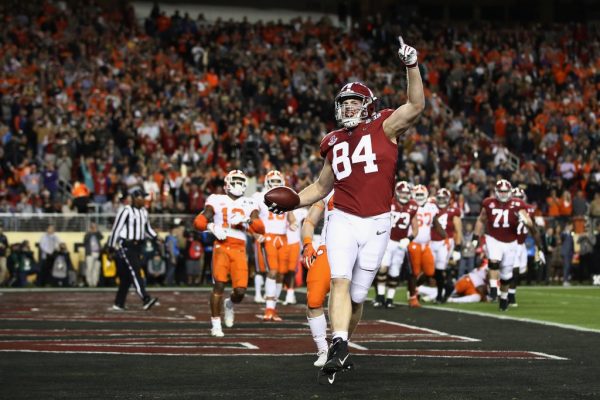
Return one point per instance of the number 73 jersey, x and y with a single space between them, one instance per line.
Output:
363 160
502 218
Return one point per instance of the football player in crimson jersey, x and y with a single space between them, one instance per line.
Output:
318 277
500 216
271 248
228 217
404 211
520 266
360 163
449 219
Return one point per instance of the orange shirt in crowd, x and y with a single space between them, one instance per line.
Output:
553 206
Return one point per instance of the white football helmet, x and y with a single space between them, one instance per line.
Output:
350 116
273 179
403 192
236 183
443 197
519 193
420 194
503 190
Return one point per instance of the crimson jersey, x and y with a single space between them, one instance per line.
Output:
402 214
522 230
446 219
364 163
502 218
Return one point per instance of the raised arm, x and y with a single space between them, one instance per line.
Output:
407 114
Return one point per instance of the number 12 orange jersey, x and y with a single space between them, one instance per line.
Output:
224 207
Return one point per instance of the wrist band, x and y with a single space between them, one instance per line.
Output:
412 65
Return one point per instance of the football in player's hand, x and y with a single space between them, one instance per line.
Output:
282 198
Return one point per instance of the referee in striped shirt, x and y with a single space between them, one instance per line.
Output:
130 229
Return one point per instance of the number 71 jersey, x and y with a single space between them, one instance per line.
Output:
363 160
502 218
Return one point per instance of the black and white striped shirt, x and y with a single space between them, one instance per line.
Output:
131 224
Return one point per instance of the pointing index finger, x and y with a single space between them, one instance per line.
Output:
401 40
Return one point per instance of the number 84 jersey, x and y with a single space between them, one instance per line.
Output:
363 160
502 218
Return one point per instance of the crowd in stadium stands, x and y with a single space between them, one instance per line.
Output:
94 102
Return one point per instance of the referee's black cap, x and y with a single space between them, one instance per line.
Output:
138 193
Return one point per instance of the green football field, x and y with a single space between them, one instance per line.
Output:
579 305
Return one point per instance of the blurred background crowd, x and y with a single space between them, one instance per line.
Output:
95 101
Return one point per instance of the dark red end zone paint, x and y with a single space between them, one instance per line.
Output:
139 333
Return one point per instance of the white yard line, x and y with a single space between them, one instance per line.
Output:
520 319
465 338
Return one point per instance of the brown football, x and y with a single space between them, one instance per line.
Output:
285 198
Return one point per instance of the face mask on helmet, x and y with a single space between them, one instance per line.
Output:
353 104
273 179
503 190
236 183
443 198
403 192
420 194
519 193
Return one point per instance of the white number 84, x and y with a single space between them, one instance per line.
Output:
362 153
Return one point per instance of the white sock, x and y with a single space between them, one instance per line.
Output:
380 289
271 304
279 288
512 291
216 322
270 287
391 292
258 283
341 334
318 328
493 283
504 295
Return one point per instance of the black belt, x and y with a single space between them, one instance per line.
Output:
132 243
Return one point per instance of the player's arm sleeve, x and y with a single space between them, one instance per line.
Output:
117 226
148 228
256 224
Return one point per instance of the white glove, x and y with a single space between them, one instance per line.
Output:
293 227
404 243
542 257
217 230
237 218
407 54
455 256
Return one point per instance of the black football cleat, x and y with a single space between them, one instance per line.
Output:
379 301
337 360
389 303
503 304
512 300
